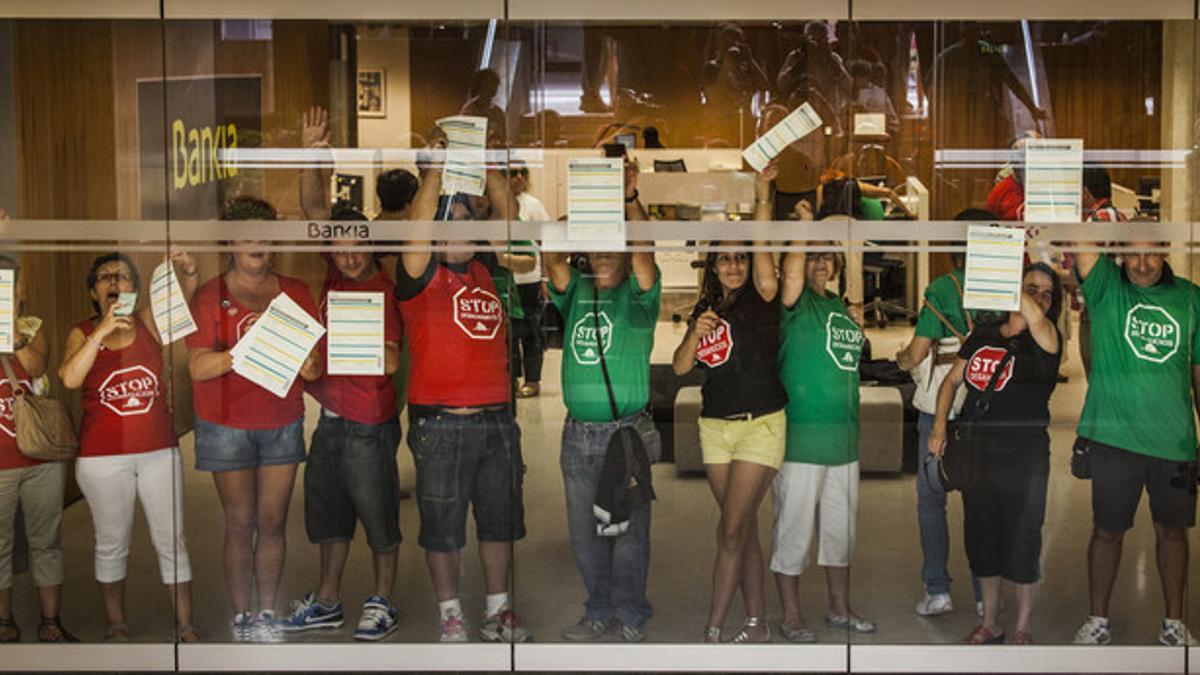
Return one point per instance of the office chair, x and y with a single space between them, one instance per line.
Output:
884 290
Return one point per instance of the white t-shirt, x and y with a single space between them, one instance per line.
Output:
531 210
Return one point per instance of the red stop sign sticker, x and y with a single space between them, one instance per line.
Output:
478 313
983 364
716 348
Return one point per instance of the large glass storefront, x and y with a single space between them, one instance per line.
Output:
320 427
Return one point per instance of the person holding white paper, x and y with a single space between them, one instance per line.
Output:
464 436
249 438
128 449
35 487
352 474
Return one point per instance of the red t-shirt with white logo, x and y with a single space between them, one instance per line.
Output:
457 337
231 400
366 399
10 456
124 399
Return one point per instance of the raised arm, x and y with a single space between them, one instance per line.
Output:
1043 330
314 181
1084 262
644 268
791 278
766 276
424 208
557 270
876 192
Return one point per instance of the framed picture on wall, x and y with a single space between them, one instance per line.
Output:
372 92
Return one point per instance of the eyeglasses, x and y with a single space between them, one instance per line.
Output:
823 257
114 277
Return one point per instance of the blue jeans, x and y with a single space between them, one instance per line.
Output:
931 517
614 569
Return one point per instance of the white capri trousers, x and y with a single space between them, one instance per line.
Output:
111 484
801 492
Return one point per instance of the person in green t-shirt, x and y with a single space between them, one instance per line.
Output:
942 326
1137 425
819 350
610 310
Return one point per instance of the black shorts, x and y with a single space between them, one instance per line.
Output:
1118 477
1004 513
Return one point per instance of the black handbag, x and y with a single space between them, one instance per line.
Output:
960 466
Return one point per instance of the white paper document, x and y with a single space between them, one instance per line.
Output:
8 311
802 122
172 316
596 202
466 160
272 352
355 341
995 260
1053 180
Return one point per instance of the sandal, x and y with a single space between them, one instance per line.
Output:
9 631
52 630
745 634
1021 637
186 633
712 635
982 636
118 632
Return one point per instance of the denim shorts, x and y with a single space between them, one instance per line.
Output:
222 448
467 459
352 476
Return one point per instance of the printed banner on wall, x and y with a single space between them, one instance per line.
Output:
204 117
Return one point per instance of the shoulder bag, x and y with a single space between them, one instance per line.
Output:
960 465
44 428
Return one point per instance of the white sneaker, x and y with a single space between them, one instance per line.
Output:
454 629
935 604
1175 634
1095 631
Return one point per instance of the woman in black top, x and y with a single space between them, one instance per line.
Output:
1003 513
734 335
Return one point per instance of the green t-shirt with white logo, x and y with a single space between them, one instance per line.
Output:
1144 344
819 350
627 316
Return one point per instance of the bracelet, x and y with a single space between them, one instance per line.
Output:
634 198
95 343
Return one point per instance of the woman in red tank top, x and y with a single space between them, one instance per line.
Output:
250 439
128 449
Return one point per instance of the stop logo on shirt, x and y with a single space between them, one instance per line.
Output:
129 391
983 364
478 312
715 348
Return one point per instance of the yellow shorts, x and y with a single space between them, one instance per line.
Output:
761 440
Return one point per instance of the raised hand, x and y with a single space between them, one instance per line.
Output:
314 128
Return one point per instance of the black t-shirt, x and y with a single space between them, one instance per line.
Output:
739 358
1022 399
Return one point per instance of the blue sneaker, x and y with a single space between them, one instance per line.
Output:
378 619
308 614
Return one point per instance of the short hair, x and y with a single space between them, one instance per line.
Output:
248 208
860 68
484 83
1098 182
344 211
100 261
396 189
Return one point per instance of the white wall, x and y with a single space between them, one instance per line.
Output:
388 51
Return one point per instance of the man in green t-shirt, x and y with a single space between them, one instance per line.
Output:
610 312
1138 423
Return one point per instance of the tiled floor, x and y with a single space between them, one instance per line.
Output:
549 594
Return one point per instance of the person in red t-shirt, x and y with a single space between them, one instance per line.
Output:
35 487
250 439
352 473
463 435
127 446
